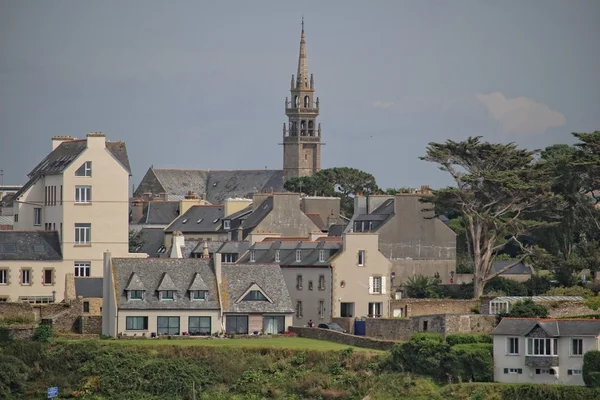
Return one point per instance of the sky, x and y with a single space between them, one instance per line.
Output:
202 84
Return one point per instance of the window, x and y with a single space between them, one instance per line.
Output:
541 371
136 323
16 217
199 326
277 255
513 371
321 309
85 169
574 372
237 324
376 284
82 268
226 224
8 248
3 277
497 307
197 294
168 325
321 255
576 347
48 277
512 346
542 347
26 277
273 325
167 294
321 282
136 295
83 194
37 216
375 310
299 282
310 285
86 306
83 233
252 256
299 311
361 258
255 295
298 255
425 326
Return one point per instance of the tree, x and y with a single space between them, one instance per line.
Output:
503 195
527 309
136 240
422 287
591 368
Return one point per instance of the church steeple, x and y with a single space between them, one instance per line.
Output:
302 139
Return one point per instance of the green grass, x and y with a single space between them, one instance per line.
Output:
276 342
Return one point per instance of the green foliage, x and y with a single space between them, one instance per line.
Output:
468 338
591 368
5 335
471 362
536 285
422 355
13 376
43 333
569 291
508 391
527 309
136 241
593 302
421 287
505 287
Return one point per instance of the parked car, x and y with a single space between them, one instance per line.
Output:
333 327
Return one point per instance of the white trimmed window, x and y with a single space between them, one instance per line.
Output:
25 277
576 347
167 295
574 372
83 233
321 255
298 255
252 256
83 194
197 294
321 282
376 284
512 346
226 224
136 323
136 295
85 169
83 268
513 371
277 256
542 347
321 308
3 277
361 258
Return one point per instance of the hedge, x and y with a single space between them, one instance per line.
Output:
465 338
591 368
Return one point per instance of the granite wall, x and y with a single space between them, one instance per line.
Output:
342 338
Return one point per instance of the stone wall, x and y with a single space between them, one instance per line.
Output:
556 309
21 332
66 317
19 311
345 323
414 307
389 328
90 324
343 338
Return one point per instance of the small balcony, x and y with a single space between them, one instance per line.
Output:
541 361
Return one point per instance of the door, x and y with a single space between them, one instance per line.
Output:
237 324
347 310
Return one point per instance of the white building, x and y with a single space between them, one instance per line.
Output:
528 350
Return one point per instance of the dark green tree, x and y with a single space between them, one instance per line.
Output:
502 193
422 287
136 241
527 309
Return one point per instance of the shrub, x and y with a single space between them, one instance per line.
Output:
43 333
507 287
591 368
421 354
527 309
13 376
569 291
5 335
593 302
471 362
536 285
466 338
421 287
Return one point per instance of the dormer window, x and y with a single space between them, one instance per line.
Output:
277 256
136 295
252 256
255 295
321 255
85 169
298 255
197 294
226 224
167 294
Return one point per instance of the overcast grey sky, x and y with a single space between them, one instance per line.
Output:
201 84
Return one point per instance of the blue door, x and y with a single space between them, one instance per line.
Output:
360 328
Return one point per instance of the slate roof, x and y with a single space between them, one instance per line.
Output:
213 247
238 278
553 327
264 252
149 273
255 218
166 283
217 185
153 239
88 287
317 220
378 217
519 269
64 154
200 218
30 245
234 247
159 213
337 229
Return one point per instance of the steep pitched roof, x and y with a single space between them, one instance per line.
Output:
166 283
88 287
237 278
257 215
200 218
198 283
264 252
317 220
159 212
150 271
30 245
553 327
153 239
378 217
135 283
519 269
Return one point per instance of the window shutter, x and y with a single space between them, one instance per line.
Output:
370 285
570 372
383 289
520 371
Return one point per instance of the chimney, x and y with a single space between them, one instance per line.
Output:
96 140
257 200
57 140
205 254
190 199
137 210
218 272
177 244
234 205
109 304
425 189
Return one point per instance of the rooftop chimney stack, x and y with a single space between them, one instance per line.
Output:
205 254
57 140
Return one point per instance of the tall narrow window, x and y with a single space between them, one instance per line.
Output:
361 258
37 216
321 282
298 255
512 346
321 255
576 347
252 256
61 194
86 306
321 309
48 277
299 311
3 276
83 194
377 284
299 282
85 169
83 233
25 277
277 255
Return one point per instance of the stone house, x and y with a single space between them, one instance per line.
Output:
532 350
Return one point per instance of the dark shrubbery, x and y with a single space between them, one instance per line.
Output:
471 362
527 309
591 368
13 376
43 333
466 338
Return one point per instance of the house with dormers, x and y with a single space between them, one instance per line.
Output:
193 296
532 350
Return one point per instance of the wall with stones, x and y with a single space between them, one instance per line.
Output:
343 338
20 311
21 332
90 324
345 323
389 328
556 309
414 307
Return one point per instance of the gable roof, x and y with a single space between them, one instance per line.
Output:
218 185
379 216
254 287
153 239
166 283
317 220
255 218
553 327
237 278
30 245
159 213
519 269
88 287
149 272
198 283
198 218
135 283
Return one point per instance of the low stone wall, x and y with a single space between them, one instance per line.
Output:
21 331
389 328
342 338
556 309
413 307
90 324
346 323
17 311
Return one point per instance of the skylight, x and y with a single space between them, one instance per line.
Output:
8 248
184 221
215 221
38 248
200 220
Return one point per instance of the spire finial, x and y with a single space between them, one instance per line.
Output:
303 22
302 77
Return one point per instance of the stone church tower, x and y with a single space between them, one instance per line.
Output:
302 136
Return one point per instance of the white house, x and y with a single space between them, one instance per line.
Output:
529 350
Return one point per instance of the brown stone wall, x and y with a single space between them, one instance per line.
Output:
558 309
389 328
416 307
472 323
21 332
90 324
65 318
345 323
49 310
343 338
21 311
